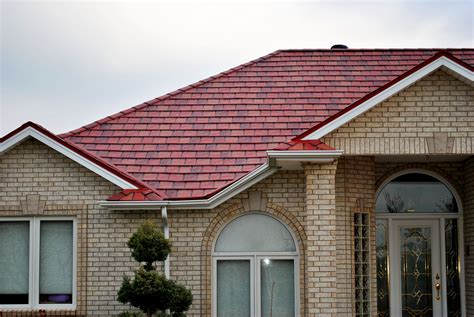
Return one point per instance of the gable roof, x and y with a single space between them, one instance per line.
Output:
72 151
196 141
441 59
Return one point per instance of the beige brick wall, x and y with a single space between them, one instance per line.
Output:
321 233
193 232
355 191
435 115
67 189
469 234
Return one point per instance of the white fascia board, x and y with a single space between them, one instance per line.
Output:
242 184
305 156
31 132
384 95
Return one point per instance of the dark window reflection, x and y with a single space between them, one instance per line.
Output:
416 193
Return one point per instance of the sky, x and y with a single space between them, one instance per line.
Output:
65 64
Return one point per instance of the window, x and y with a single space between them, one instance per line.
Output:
416 192
37 263
255 269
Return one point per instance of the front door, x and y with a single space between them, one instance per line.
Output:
415 263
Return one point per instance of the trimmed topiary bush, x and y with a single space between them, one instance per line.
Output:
149 290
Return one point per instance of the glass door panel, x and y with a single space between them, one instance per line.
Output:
416 264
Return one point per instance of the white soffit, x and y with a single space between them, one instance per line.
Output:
33 133
449 65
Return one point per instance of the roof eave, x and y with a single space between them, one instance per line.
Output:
230 191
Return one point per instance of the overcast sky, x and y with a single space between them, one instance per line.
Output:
66 64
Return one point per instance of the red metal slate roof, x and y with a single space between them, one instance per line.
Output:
201 138
83 153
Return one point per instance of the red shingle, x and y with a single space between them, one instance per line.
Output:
194 141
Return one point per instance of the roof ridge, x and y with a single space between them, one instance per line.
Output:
166 96
375 49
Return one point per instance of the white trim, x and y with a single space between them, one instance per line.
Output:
34 249
305 156
166 231
32 132
387 93
242 184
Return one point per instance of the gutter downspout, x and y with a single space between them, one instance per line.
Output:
166 230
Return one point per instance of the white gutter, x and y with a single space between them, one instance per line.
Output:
242 184
166 230
316 156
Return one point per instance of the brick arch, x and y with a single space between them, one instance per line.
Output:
427 167
225 216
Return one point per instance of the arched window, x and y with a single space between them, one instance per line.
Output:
416 192
255 265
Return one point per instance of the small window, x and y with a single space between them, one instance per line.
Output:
416 192
255 269
37 263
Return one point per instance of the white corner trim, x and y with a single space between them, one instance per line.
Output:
384 95
31 132
242 184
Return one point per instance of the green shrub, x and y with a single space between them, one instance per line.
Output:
149 290
149 245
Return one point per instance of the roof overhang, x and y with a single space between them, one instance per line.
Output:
78 155
441 60
264 171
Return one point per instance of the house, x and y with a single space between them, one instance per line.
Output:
333 182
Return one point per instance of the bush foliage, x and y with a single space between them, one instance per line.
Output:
149 290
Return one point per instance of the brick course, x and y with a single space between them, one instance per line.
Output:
433 116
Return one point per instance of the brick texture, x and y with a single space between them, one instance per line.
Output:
321 232
67 189
355 192
434 116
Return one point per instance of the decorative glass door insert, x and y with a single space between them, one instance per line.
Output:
416 263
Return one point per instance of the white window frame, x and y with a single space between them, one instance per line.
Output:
255 270
34 254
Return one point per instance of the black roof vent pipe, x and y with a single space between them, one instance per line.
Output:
339 47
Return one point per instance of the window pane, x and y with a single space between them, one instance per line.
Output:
452 268
416 193
277 288
255 233
56 262
14 262
233 288
383 289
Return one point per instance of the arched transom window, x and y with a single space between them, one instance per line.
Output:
416 192
255 265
